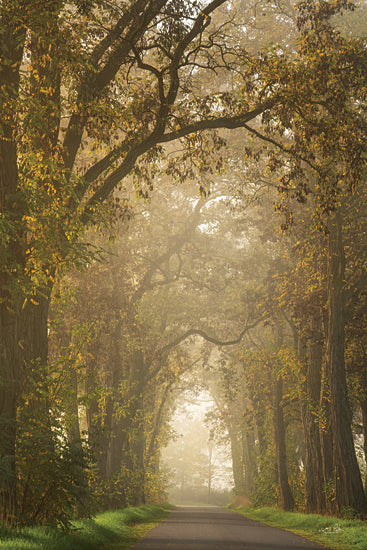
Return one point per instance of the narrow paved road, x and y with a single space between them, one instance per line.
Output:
198 528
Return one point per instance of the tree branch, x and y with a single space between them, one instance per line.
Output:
278 145
228 122
208 338
157 137
178 241
147 67
135 22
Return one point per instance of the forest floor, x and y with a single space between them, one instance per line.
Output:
335 533
109 530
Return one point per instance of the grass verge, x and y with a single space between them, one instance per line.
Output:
118 529
335 533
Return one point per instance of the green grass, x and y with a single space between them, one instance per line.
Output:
335 533
111 530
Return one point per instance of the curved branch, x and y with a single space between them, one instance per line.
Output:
228 122
134 23
201 22
147 67
208 338
157 137
279 145
174 247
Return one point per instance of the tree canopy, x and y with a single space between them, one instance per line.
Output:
113 112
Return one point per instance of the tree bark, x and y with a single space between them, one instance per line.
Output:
95 427
9 390
327 448
259 419
249 458
152 453
311 357
348 483
285 493
11 47
23 317
237 462
364 427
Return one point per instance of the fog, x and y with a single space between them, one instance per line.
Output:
183 290
196 460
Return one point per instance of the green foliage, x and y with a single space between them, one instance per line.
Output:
117 490
319 124
155 488
105 529
266 492
51 469
52 486
90 102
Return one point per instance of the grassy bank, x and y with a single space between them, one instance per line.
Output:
335 533
111 530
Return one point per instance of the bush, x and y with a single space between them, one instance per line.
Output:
52 485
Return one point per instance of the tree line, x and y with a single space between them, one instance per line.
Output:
94 98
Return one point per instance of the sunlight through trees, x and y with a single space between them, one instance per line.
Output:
182 211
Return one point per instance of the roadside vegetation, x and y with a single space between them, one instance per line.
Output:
115 529
337 533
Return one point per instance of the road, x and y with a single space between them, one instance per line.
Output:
211 528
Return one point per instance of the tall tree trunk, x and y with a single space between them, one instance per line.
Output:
326 442
10 358
12 38
24 347
348 483
325 426
152 453
236 430
23 325
311 358
259 419
249 458
285 493
95 427
114 448
237 461
72 423
364 427
133 429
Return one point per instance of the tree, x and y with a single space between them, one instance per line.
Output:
323 129
114 78
90 92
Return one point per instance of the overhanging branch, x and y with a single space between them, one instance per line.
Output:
229 122
208 338
157 137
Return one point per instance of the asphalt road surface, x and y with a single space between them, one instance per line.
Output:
211 528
